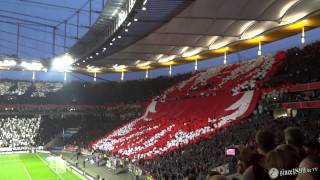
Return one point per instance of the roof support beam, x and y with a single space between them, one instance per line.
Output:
226 18
195 34
153 53
177 45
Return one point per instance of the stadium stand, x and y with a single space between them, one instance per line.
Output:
18 131
197 159
183 133
170 123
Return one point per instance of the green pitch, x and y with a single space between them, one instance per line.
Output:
31 167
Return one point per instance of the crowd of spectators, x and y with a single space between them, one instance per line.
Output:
300 66
165 127
197 160
253 71
54 109
94 108
91 124
283 96
18 131
94 126
283 143
84 93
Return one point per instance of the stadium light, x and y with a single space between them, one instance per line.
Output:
159 56
122 75
33 66
292 18
145 2
303 40
65 76
147 74
259 48
117 67
93 69
184 49
166 59
135 19
143 8
196 65
63 62
7 63
192 52
33 75
126 30
225 56
143 64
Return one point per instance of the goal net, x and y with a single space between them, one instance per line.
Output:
57 164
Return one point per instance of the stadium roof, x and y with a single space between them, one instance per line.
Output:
203 29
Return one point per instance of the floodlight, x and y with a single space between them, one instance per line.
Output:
93 69
62 62
143 64
192 52
7 63
167 59
119 67
33 66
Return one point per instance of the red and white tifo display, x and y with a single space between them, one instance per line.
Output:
193 109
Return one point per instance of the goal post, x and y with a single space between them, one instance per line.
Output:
57 164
